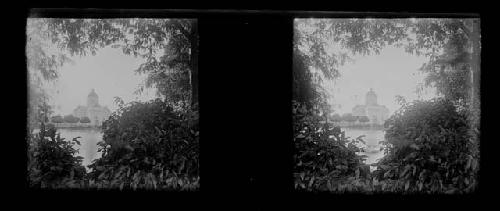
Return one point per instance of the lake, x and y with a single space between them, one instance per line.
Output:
88 141
372 139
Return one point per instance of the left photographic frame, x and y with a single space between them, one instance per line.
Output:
112 103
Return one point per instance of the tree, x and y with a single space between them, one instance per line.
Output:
429 149
57 119
84 120
348 117
170 47
157 145
458 37
53 161
313 61
363 119
71 119
336 118
42 64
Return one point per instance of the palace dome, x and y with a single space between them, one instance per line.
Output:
92 93
371 98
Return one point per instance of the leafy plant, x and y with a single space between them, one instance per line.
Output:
324 157
52 162
429 148
148 146
57 119
71 119
84 120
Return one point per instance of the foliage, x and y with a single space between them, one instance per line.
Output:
442 127
42 63
450 69
306 87
348 117
71 119
336 118
324 157
451 45
148 146
57 119
169 47
429 148
363 119
84 120
52 162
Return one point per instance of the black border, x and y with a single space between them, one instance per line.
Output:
245 83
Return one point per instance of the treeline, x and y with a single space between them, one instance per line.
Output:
69 119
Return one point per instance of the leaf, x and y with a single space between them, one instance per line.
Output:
407 168
384 167
474 164
414 146
311 181
410 156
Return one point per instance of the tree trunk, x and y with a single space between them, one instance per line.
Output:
193 38
476 72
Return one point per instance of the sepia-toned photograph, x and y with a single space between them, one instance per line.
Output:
112 104
386 105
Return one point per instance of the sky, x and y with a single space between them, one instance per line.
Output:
110 72
390 73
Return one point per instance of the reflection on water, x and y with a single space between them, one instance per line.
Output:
372 139
88 141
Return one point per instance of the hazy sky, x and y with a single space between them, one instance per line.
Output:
392 72
109 72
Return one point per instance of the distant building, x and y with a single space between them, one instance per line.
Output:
375 112
96 113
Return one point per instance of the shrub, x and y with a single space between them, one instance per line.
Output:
71 119
364 119
429 148
52 162
148 146
57 119
84 120
325 159
336 118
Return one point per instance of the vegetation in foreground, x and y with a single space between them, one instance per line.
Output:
429 148
145 146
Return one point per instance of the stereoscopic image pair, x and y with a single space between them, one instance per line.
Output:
379 105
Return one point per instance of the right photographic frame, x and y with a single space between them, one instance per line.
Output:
386 105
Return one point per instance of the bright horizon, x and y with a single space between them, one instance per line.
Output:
110 72
390 73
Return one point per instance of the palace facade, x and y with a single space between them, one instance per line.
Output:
375 112
95 112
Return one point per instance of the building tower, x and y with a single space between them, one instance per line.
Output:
92 99
371 98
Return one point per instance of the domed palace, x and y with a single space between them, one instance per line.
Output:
375 112
96 113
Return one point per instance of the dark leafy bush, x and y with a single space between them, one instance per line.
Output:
148 146
429 148
325 159
71 119
52 162
57 119
84 120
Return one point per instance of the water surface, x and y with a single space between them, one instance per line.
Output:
372 139
88 141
